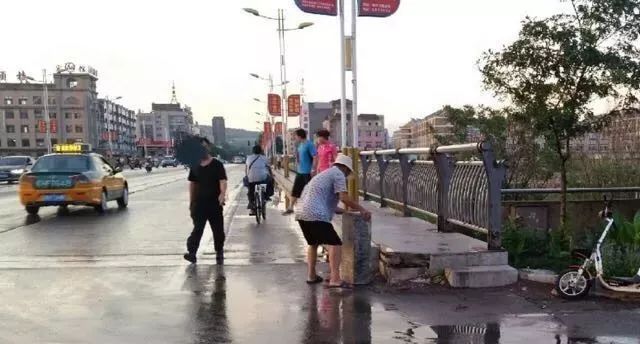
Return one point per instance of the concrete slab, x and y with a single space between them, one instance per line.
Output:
481 276
397 234
439 262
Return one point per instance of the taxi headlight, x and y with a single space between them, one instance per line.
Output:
18 171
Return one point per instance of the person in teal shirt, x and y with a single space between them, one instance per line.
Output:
307 160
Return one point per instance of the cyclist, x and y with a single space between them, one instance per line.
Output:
258 172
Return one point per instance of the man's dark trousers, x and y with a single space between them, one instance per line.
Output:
200 214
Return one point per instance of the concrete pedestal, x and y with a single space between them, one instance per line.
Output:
356 250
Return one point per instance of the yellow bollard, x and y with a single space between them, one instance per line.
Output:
354 181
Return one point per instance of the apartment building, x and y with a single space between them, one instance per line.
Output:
117 126
72 105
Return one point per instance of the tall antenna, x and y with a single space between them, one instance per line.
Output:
174 98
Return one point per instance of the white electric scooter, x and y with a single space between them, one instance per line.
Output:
575 282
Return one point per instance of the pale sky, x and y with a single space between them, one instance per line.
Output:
410 64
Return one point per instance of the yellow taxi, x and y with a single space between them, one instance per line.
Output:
72 176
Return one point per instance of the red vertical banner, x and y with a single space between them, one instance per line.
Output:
266 135
294 105
377 8
54 127
274 104
42 126
278 128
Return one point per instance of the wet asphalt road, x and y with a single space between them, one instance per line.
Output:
120 278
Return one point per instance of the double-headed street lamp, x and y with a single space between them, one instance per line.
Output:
45 101
283 67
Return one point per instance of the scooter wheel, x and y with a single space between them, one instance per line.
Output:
571 285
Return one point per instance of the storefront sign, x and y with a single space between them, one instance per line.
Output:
324 7
278 128
53 126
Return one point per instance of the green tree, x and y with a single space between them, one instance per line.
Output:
559 68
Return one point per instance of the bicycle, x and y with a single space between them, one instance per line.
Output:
260 200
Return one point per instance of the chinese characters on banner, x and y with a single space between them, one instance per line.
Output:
324 7
278 128
378 8
274 104
294 105
53 127
113 134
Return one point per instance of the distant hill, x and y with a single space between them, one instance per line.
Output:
240 137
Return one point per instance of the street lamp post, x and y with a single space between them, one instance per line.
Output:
271 85
283 66
47 119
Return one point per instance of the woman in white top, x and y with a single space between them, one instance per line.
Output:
258 172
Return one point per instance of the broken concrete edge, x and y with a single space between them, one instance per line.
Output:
538 275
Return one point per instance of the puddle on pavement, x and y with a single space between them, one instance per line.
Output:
235 307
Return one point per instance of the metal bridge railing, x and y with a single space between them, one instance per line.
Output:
457 193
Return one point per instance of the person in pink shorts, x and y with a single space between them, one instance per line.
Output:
327 152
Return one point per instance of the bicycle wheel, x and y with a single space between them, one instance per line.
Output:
258 206
264 206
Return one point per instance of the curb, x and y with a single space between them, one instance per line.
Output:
538 275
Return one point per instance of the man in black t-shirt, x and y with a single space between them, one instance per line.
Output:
207 195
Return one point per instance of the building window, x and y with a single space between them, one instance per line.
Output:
8 101
69 128
38 114
72 83
37 100
53 115
78 128
24 129
54 141
9 114
11 142
39 142
52 101
24 114
22 101
26 143
376 134
76 115
67 115
11 129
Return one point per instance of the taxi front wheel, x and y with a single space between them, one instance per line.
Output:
32 209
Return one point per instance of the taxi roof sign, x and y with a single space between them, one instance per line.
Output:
72 148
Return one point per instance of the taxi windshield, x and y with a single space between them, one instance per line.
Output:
13 161
62 163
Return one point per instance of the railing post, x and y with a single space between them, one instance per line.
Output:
382 168
405 167
444 169
285 162
496 173
365 167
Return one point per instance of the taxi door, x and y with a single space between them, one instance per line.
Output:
108 178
